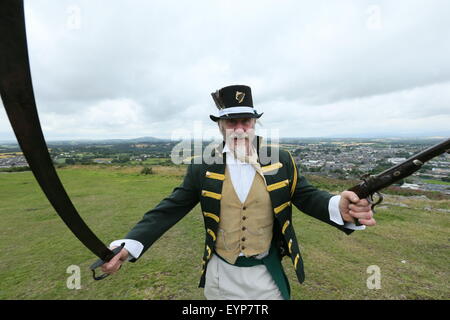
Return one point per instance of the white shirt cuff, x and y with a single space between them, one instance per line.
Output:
336 217
133 247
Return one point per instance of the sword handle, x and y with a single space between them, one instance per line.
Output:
101 262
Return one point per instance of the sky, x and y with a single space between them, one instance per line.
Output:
127 69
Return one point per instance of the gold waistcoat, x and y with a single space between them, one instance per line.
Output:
244 227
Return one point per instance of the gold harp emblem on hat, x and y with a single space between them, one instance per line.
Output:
240 96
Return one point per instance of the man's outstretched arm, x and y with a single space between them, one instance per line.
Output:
338 211
156 222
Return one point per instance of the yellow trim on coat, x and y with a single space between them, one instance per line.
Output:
286 224
278 185
212 216
296 260
211 194
282 207
271 167
214 175
294 180
212 234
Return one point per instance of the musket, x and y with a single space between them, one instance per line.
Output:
16 90
372 184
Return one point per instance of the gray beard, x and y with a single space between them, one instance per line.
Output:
242 154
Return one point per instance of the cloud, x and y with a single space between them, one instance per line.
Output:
416 111
307 63
101 119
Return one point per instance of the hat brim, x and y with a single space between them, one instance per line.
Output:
236 116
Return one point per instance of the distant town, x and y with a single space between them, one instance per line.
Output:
338 158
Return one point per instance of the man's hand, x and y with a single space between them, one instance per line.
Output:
352 208
115 263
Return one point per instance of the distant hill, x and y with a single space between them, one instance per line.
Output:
108 141
97 141
288 140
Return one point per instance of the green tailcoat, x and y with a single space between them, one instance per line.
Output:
203 183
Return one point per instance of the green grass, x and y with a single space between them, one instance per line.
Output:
437 182
151 161
37 248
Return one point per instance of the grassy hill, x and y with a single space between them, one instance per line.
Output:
410 244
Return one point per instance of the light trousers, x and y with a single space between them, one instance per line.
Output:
227 282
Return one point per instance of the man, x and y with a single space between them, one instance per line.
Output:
246 192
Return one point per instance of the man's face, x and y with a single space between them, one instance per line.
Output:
238 132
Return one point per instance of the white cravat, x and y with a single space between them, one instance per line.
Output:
241 173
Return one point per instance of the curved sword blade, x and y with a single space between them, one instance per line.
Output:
16 91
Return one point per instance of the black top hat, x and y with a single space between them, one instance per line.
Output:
234 102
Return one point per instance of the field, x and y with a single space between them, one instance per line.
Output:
437 182
4 155
410 244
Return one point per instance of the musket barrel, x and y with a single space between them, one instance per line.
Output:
420 158
402 170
